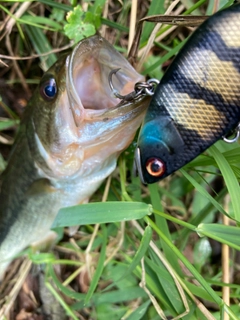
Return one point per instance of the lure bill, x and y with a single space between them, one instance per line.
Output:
197 101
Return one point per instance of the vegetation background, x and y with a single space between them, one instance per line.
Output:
179 262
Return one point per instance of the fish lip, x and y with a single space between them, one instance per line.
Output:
107 58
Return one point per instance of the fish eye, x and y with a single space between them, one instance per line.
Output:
155 167
48 89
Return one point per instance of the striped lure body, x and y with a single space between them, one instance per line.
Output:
197 101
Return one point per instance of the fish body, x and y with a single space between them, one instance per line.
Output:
71 134
197 101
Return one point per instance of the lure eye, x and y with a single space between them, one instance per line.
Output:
155 167
48 89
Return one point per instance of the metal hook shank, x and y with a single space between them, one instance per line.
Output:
128 97
236 136
140 89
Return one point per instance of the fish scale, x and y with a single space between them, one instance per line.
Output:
197 100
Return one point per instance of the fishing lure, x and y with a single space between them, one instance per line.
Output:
197 101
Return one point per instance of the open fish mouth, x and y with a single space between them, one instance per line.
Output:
88 68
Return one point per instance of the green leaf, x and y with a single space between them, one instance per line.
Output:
198 291
140 311
170 295
107 311
55 4
2 163
101 212
225 234
97 6
186 262
230 180
41 20
156 7
144 245
60 300
41 45
40 258
114 25
8 123
162 223
100 266
201 253
57 15
81 24
95 16
204 192
118 296
114 296
165 58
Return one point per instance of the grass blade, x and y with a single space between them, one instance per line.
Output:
8 123
204 192
101 212
100 266
225 234
230 180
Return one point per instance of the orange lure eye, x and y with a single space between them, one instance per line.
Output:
155 167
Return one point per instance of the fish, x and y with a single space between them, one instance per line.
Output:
197 101
70 136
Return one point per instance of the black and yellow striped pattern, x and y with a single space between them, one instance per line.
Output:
200 94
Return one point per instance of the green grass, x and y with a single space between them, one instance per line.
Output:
165 249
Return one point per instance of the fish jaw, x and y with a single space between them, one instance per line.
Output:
88 68
89 121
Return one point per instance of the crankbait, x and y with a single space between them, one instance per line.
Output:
197 101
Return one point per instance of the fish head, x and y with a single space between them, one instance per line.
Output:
77 117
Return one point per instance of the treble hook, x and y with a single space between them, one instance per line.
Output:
128 97
141 88
236 136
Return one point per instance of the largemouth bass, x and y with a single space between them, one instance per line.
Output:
69 139
197 101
